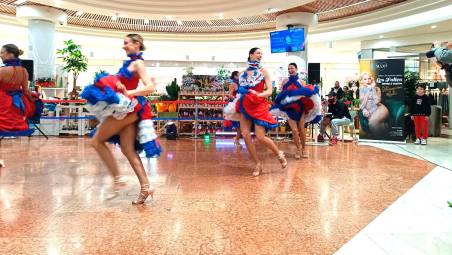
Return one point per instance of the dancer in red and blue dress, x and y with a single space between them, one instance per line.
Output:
125 116
252 107
16 101
299 104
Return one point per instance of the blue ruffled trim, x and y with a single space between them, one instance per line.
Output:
151 149
100 76
235 124
303 91
317 119
27 132
94 94
266 125
123 71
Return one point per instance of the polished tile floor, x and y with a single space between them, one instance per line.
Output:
55 199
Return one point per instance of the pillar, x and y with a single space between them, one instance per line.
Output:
41 36
297 20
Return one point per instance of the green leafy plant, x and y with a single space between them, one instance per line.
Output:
173 90
411 80
223 74
75 61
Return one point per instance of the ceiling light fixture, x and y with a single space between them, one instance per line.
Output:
168 17
114 17
271 10
146 21
179 22
79 13
381 36
434 26
19 2
236 20
220 15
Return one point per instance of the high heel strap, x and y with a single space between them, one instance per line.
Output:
145 192
282 159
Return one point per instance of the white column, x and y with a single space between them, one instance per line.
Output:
41 36
298 20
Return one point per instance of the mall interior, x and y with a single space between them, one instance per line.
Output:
243 127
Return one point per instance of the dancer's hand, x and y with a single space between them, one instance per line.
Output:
412 117
426 117
120 87
253 91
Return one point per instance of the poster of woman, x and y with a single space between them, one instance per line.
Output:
381 95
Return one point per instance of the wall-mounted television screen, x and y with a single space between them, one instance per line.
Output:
290 40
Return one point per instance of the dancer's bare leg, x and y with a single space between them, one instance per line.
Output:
295 136
128 136
107 129
238 136
245 127
2 163
260 135
302 132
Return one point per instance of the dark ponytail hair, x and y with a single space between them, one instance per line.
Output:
233 74
293 64
13 49
252 52
137 38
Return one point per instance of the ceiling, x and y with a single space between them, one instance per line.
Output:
196 16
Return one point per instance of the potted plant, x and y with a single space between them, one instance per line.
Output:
74 60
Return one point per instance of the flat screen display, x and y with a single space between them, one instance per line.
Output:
290 40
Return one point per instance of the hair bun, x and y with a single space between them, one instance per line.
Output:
21 52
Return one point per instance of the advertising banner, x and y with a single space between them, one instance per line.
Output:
381 95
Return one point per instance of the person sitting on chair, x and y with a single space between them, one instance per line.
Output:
338 115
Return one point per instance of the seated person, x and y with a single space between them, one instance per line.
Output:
338 115
338 90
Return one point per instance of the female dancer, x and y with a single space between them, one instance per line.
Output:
251 103
373 112
299 104
16 101
233 88
125 116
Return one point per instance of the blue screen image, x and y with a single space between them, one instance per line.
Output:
287 40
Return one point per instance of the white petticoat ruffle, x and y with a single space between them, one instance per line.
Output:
146 131
310 116
229 112
119 111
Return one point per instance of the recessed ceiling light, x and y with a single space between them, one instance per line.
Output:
434 26
236 20
19 2
220 15
168 17
114 17
79 13
270 10
146 21
381 36
179 22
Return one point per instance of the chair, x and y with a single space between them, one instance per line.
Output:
351 125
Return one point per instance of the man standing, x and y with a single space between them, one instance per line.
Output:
338 115
337 90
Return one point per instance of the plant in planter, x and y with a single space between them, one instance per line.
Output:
75 61
411 80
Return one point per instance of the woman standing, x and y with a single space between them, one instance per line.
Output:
251 103
125 116
16 101
299 104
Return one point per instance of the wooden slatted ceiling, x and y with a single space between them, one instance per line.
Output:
326 10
